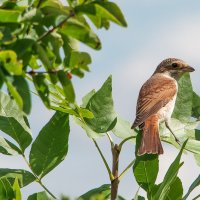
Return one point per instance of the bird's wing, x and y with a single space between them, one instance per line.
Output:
154 94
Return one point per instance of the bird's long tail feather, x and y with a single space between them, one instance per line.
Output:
150 142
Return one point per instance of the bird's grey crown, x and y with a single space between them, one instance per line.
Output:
168 61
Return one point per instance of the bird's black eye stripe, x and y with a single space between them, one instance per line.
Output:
174 65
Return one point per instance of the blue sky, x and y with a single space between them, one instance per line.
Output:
156 30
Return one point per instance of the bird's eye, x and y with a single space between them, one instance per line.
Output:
174 65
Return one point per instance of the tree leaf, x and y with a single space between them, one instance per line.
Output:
195 184
102 11
12 122
195 105
176 190
42 88
9 16
67 86
51 145
183 106
6 148
170 176
16 190
101 105
123 129
86 98
39 196
8 59
6 191
81 32
24 177
145 171
22 87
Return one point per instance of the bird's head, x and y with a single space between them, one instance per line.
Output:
173 67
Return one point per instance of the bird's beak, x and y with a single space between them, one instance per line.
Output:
188 69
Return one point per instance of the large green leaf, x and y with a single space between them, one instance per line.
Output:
183 106
7 147
67 86
170 177
123 129
6 191
145 171
39 196
81 32
51 145
86 98
23 89
42 88
99 11
176 190
12 121
24 177
195 184
101 105
195 105
9 16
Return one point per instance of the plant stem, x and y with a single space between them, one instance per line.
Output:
195 198
37 178
110 139
71 14
125 140
126 169
104 161
115 171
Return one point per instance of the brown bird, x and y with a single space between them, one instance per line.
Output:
156 103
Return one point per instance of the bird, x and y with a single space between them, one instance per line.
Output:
156 102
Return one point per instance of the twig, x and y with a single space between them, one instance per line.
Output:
104 160
110 139
126 169
71 14
37 178
196 197
125 140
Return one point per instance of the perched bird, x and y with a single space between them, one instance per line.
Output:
156 103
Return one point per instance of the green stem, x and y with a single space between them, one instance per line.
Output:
37 178
110 139
125 140
104 161
126 169
196 197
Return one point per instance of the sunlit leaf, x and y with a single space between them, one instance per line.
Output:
39 196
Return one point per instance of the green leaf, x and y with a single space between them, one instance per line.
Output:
51 145
8 59
145 171
14 93
101 105
170 176
9 16
42 88
195 184
24 177
6 191
195 105
12 122
101 11
183 106
86 98
22 87
6 147
123 129
81 32
102 192
67 86
176 190
39 196
16 190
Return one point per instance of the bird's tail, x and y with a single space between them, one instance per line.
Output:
150 142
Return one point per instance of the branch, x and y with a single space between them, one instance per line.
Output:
125 140
37 178
71 14
104 160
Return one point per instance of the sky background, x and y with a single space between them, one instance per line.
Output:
156 30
